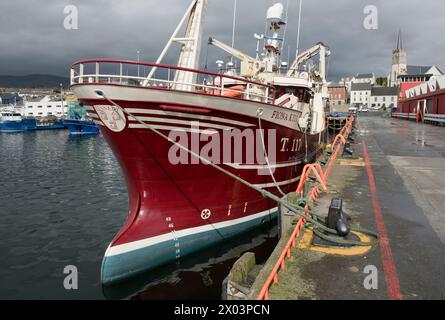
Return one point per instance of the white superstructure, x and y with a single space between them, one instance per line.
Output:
44 106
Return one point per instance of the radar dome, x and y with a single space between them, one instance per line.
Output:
275 13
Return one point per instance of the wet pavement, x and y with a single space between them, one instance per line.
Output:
406 207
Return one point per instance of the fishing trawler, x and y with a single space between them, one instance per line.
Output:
77 121
10 121
181 135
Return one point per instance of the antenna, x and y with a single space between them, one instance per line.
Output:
258 37
233 26
285 27
299 27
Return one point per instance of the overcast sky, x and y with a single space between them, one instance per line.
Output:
34 40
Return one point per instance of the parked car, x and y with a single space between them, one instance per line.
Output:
352 109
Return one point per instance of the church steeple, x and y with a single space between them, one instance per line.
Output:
399 62
399 40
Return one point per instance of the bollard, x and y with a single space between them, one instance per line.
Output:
337 219
347 150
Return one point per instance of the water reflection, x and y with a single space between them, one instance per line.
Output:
198 276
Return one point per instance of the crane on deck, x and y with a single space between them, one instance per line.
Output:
319 49
250 67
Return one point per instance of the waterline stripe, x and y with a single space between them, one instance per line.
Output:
139 244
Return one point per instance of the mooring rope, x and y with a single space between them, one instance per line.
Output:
259 114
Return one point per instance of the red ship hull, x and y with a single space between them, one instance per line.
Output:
177 209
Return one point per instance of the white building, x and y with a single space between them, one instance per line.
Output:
360 94
364 78
419 74
383 98
45 106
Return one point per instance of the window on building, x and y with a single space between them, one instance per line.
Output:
50 113
29 107
58 106
40 113
49 106
384 99
30 113
39 107
375 99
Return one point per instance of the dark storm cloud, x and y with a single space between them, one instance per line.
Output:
33 39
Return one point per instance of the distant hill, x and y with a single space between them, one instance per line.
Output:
33 81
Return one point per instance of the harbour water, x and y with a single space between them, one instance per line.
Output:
62 200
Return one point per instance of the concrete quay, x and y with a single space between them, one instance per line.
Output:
396 187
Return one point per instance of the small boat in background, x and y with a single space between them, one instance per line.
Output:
78 122
79 126
15 122
11 122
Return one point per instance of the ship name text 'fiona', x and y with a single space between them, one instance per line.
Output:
281 115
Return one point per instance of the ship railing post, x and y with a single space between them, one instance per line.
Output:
97 72
274 95
120 72
248 91
81 73
169 77
72 75
267 95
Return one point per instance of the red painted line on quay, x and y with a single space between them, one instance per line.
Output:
389 267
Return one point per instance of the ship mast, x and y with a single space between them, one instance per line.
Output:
190 45
273 43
